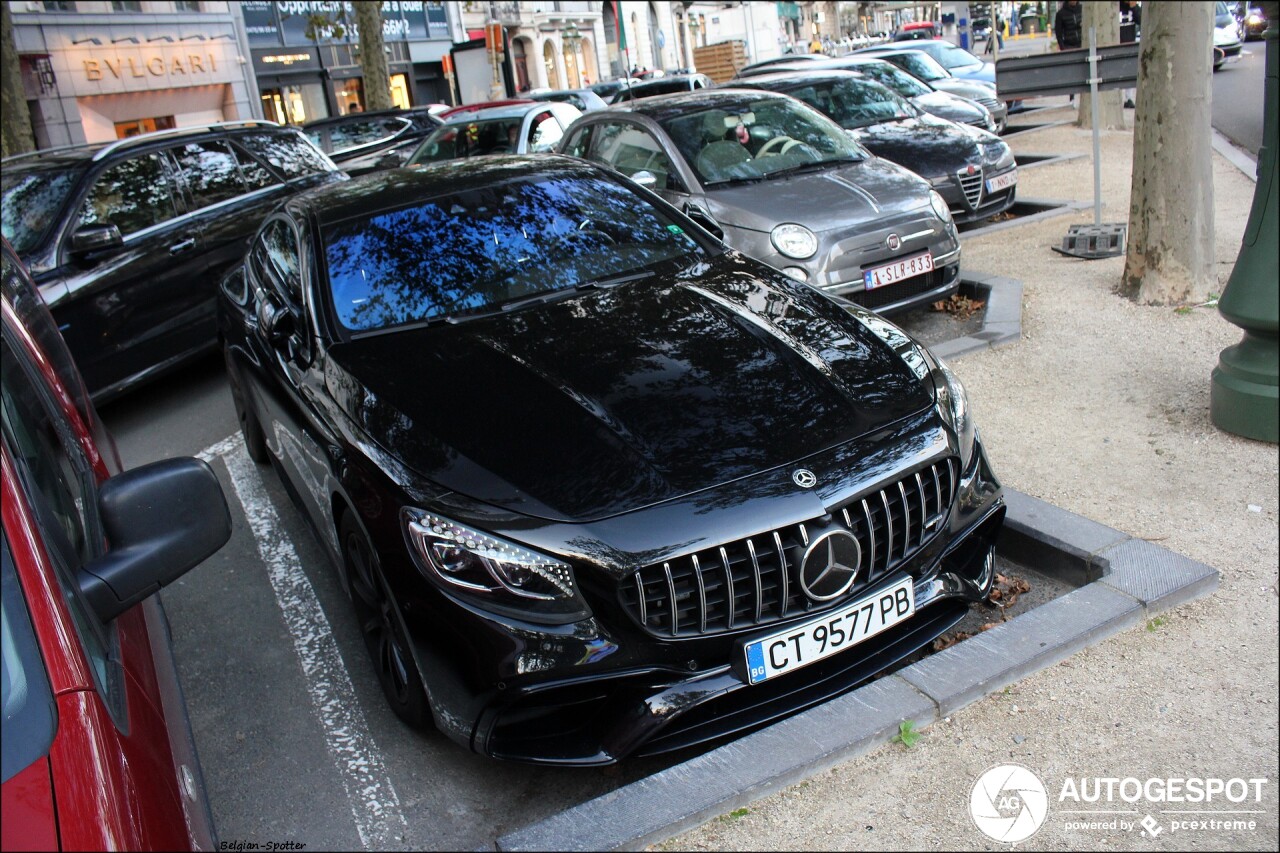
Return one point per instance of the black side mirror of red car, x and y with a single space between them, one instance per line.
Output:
95 238
161 521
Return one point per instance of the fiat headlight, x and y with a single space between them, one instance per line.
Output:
794 241
939 206
492 573
953 408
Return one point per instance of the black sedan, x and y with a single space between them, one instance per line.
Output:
366 142
598 485
972 169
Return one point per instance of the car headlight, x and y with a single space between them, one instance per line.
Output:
492 573
953 408
998 155
939 206
794 241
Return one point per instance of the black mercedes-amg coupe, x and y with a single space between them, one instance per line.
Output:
598 485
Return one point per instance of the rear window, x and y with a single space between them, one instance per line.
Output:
469 139
30 200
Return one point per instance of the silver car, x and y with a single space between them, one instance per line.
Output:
787 186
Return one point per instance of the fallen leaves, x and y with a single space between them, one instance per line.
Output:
1004 594
960 306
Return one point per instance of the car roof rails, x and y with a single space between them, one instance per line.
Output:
107 148
142 138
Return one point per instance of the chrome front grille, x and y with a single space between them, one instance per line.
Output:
753 581
991 104
972 186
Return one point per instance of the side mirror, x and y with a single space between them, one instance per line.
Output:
275 323
700 216
162 520
646 179
95 238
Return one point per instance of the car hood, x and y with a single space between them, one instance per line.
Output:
949 106
972 89
928 146
617 399
847 197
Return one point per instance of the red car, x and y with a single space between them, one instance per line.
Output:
97 748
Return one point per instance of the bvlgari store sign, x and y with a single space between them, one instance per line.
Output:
103 70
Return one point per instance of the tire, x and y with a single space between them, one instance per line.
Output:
255 440
383 638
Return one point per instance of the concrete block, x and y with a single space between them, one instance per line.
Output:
1053 540
1050 633
1158 577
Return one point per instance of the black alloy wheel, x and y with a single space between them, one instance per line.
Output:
386 643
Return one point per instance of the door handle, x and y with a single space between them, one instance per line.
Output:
182 246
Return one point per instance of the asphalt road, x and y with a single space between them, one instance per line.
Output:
1238 98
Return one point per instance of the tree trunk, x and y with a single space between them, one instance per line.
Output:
1104 17
15 130
373 57
1170 254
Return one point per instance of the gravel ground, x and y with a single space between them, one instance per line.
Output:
1102 409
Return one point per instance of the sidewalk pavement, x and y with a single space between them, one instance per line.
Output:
1102 408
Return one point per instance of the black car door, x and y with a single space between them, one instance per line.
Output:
288 380
127 307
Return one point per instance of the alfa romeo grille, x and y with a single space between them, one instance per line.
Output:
972 186
754 581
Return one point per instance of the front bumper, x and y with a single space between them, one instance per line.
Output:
839 264
968 198
604 689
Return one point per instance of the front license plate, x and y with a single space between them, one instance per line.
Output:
897 271
829 634
1001 182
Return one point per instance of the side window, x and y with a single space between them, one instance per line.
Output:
580 141
211 172
60 486
288 153
131 195
234 285
545 132
631 149
256 175
352 134
279 258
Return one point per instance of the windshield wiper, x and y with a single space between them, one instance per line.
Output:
810 167
613 281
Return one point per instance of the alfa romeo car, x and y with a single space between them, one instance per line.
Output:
786 185
972 169
598 485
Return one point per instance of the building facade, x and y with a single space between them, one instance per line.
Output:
305 55
97 71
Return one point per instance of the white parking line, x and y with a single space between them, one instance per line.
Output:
374 803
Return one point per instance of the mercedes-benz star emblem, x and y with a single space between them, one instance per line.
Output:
894 242
830 565
804 478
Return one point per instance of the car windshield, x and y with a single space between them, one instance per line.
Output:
469 139
923 66
29 204
759 139
854 103
888 74
494 248
950 56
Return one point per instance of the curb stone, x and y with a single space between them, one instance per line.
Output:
1133 579
1001 323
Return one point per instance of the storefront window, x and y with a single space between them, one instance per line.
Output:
294 104
400 91
350 95
143 125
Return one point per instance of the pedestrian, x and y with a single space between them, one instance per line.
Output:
1130 27
1068 25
